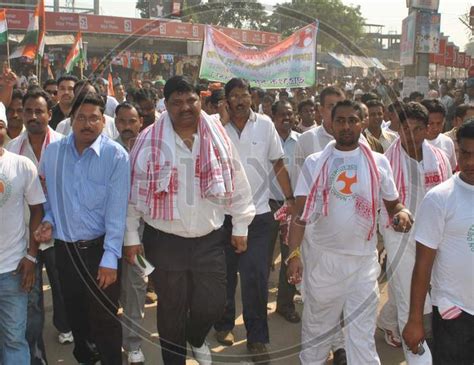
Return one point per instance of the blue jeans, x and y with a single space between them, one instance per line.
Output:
13 311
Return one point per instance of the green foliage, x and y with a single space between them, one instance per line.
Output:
337 21
144 7
236 14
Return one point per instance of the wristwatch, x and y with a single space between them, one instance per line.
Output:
31 258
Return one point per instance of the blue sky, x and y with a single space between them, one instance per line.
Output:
387 12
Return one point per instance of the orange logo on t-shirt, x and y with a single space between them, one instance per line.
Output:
348 182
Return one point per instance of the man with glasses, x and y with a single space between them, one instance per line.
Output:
87 177
51 87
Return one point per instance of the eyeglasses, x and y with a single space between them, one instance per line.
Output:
52 92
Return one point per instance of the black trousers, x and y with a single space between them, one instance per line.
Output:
286 291
189 280
91 311
252 265
453 339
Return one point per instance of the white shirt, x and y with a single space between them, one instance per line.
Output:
110 106
160 105
19 183
312 141
339 231
289 149
64 127
198 216
446 144
258 146
28 152
445 222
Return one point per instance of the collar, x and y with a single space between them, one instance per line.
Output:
293 135
324 131
95 146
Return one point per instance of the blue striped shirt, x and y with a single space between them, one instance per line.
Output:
87 194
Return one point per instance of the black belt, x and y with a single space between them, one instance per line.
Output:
84 244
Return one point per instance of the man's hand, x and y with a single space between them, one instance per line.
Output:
240 243
413 335
129 253
223 110
291 204
402 222
294 271
27 270
106 277
8 77
44 232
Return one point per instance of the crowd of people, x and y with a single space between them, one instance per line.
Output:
203 182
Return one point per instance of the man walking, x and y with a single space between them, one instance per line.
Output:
19 184
87 178
31 143
66 97
260 149
445 258
418 166
338 192
185 177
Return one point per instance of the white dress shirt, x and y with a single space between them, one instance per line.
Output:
198 216
258 145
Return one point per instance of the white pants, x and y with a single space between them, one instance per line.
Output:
388 318
335 283
337 341
401 254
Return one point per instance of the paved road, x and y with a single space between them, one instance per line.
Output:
284 337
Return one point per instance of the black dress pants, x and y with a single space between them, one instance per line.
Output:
91 311
190 282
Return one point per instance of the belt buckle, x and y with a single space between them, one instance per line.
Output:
82 244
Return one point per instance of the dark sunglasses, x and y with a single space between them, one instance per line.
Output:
52 92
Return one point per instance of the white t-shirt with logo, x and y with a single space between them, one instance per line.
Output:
445 222
339 230
19 182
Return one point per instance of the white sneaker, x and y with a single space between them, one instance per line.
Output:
136 356
202 354
65 338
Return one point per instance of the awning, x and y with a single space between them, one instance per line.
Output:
327 59
50 40
351 61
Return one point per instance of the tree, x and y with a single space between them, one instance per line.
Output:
144 7
341 26
236 14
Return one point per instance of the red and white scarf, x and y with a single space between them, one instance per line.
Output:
154 183
366 200
19 144
435 165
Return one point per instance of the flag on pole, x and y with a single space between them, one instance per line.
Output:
3 27
32 45
76 54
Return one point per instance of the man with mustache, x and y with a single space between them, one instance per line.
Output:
66 96
337 200
133 283
146 100
81 87
15 116
260 149
31 143
87 178
284 119
19 187
186 176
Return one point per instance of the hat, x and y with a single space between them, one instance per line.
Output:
159 83
3 114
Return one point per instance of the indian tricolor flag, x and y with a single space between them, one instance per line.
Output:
76 54
3 27
32 45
